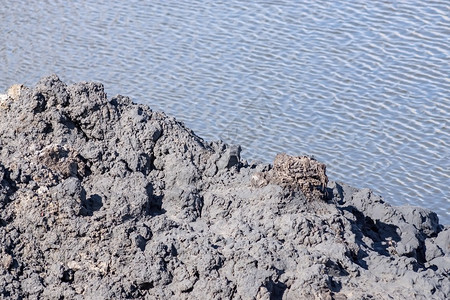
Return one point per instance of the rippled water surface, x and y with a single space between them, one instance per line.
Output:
364 86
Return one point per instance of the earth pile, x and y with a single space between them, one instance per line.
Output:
104 198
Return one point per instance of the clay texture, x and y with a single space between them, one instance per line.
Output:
102 198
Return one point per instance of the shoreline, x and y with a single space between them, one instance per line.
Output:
104 197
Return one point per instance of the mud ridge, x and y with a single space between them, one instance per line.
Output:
103 198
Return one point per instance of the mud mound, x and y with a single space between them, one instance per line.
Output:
104 198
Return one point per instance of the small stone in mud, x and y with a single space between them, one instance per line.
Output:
7 261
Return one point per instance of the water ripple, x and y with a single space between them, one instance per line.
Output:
363 86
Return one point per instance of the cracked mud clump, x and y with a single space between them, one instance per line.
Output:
301 172
102 198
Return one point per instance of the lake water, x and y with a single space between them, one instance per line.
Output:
363 86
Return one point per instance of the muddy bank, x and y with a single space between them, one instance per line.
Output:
104 198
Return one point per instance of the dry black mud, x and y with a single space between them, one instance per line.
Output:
106 199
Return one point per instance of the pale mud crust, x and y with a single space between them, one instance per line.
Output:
102 198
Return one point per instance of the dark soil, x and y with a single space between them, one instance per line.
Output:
106 199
